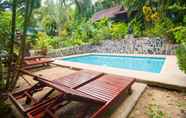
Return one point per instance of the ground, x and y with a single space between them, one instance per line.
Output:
161 103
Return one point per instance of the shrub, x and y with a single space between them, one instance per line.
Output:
181 56
119 30
160 28
150 15
181 51
55 42
136 27
100 34
42 41
180 34
105 22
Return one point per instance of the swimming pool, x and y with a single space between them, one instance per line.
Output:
138 63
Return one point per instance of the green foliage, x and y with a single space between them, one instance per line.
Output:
184 19
180 34
177 8
42 41
181 51
87 32
55 42
71 20
100 35
136 27
84 9
48 24
119 30
160 28
181 56
133 4
5 27
104 22
153 111
101 31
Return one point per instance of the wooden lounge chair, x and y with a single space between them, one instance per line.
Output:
85 86
36 61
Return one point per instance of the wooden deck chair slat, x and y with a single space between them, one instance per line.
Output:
100 89
103 90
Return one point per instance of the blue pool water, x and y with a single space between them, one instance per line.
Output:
148 64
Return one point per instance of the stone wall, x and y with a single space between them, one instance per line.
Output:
129 45
138 46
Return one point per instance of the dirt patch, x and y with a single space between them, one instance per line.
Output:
160 103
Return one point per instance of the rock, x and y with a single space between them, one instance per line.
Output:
130 45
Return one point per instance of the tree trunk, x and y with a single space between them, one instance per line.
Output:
78 6
11 46
23 40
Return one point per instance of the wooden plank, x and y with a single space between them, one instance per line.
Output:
33 57
123 88
78 79
107 86
73 94
89 86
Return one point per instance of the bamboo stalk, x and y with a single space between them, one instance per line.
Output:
23 39
11 45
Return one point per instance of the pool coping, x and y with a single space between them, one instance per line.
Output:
169 77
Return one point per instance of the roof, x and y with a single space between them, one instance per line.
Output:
110 12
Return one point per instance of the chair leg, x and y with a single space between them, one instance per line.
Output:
26 80
129 90
37 87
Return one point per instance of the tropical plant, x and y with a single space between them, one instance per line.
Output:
181 51
42 41
177 12
180 35
181 56
119 30
5 27
55 42
84 9
150 15
49 25
160 28
136 27
100 35
134 4
57 13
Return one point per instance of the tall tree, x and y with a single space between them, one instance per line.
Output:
84 8
58 11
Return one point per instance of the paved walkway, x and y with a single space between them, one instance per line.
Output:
170 76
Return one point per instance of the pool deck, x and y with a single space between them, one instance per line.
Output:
169 77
